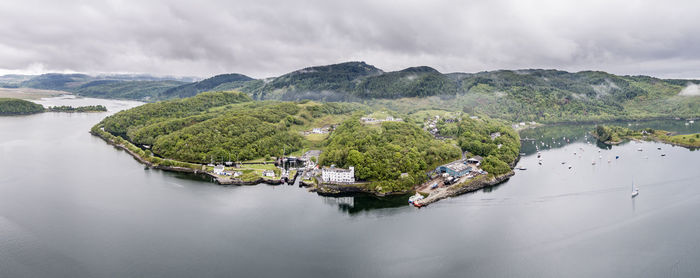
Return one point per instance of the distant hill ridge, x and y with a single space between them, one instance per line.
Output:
510 94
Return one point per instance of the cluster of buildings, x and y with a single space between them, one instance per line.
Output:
431 124
221 170
369 120
523 125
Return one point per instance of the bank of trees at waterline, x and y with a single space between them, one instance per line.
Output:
13 106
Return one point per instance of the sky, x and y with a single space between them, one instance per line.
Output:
265 38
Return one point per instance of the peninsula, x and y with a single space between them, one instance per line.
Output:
13 106
613 135
235 140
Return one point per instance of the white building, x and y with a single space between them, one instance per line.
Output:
338 175
269 173
219 169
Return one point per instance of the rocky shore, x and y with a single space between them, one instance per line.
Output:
335 190
466 187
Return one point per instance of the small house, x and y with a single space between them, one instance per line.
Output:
269 173
219 169
475 160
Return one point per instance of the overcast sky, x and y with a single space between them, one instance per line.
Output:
268 38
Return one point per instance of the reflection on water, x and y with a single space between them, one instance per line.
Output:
366 202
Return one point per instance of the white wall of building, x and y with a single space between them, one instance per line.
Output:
338 175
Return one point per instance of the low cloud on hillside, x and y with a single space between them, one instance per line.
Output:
690 90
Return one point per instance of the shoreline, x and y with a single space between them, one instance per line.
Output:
215 178
465 187
648 138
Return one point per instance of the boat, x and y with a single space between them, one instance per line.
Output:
639 149
414 198
658 148
617 156
569 166
521 168
563 162
593 162
663 154
635 191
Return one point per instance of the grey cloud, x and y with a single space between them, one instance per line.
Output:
268 38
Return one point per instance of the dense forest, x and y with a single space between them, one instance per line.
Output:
139 90
221 82
381 153
222 125
492 139
13 106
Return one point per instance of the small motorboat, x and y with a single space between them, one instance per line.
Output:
414 198
663 154
569 166
617 156
640 149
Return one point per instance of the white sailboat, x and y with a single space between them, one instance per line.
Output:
635 190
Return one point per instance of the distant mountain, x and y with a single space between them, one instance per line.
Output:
139 90
410 82
127 86
330 83
57 81
13 80
217 83
518 95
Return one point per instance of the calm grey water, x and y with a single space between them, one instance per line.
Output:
73 206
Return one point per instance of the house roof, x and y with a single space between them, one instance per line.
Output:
477 158
337 170
457 166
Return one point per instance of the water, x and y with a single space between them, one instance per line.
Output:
73 206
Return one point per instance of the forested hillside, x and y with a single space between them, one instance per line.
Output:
515 95
139 90
331 83
13 106
492 139
222 125
217 83
381 153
